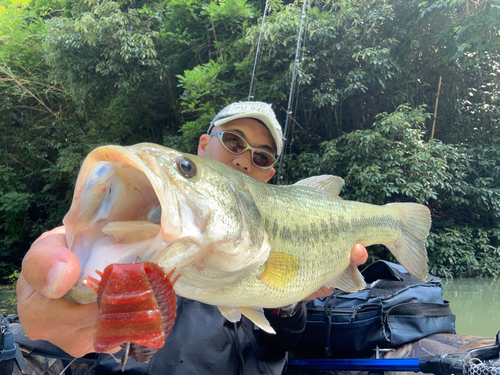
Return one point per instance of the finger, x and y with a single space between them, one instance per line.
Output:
67 325
320 293
56 230
49 266
359 255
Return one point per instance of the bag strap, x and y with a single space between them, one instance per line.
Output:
422 308
329 306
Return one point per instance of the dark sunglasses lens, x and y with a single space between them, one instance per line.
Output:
262 159
234 142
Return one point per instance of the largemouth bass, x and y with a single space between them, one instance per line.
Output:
238 243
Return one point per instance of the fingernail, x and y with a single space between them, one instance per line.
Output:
55 275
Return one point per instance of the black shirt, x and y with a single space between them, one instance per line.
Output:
202 341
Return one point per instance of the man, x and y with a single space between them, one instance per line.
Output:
247 137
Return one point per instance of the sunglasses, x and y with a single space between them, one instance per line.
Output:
236 144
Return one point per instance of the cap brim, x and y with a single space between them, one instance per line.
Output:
258 116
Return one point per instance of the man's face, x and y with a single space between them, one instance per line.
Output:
256 134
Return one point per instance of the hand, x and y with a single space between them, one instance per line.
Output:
49 270
359 255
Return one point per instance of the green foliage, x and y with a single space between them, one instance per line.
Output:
13 213
454 39
345 60
115 40
460 184
75 75
464 251
31 110
391 161
200 88
14 205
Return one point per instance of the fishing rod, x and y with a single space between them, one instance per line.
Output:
482 361
250 96
292 84
292 87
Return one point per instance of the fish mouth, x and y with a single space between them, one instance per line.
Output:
123 210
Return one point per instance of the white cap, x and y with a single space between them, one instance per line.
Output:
257 110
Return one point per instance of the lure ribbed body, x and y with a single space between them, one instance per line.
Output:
137 305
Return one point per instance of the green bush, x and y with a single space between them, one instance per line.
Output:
392 162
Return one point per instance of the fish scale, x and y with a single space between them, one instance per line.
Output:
239 244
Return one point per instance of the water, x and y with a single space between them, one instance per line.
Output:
7 300
476 303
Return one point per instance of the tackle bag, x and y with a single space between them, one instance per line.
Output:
43 358
8 348
394 309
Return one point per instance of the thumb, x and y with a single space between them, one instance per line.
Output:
359 255
50 267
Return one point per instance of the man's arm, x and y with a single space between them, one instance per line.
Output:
288 331
49 270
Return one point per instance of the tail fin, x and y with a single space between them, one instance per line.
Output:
409 248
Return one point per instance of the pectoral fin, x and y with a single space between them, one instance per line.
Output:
280 270
350 280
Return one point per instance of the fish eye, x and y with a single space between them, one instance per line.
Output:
186 167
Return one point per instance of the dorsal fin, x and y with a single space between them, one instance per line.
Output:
327 183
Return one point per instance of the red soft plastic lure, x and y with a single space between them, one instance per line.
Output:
137 305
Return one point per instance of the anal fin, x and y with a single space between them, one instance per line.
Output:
350 280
